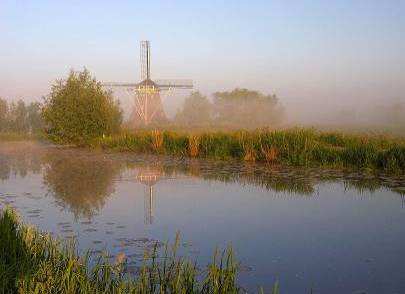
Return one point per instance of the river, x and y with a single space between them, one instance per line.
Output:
332 231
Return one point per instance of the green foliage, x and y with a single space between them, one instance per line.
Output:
237 109
78 109
20 118
247 109
34 116
32 262
3 114
196 111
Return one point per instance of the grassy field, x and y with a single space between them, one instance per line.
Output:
32 262
297 147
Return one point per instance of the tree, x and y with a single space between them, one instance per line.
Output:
78 109
17 117
3 115
196 110
247 109
34 117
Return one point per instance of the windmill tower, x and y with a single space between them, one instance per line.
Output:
148 107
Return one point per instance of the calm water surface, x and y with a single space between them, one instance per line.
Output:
337 232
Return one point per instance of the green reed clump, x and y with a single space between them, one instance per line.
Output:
297 147
175 143
221 145
392 159
32 262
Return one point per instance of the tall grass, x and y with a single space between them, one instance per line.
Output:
297 147
32 262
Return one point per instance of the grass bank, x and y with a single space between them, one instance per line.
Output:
31 262
297 147
13 136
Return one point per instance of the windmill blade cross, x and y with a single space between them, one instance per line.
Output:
175 83
113 84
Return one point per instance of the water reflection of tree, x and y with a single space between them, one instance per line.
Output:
79 182
5 169
245 174
19 159
82 180
297 181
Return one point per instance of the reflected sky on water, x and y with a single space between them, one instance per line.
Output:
335 231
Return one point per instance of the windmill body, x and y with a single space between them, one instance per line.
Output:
148 107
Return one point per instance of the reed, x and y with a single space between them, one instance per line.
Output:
157 140
296 147
193 145
32 262
270 153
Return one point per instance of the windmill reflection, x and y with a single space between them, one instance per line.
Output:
149 176
81 181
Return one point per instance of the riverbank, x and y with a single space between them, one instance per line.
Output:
291 147
13 136
295 147
34 262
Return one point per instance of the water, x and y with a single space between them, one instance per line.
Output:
333 231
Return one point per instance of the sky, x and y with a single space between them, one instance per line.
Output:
321 54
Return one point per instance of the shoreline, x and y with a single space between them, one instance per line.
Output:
31 260
291 147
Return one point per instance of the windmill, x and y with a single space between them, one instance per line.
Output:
148 108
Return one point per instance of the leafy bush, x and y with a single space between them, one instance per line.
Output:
79 109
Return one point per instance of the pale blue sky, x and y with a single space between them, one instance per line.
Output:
334 52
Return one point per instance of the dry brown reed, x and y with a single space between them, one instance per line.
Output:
270 154
194 145
157 140
250 153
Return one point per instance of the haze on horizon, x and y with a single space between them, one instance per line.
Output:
318 57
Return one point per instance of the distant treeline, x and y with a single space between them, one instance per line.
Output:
240 108
19 117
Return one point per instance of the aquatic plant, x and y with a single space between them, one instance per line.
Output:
270 153
193 145
33 262
157 140
296 147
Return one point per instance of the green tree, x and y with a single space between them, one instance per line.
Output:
34 117
196 110
17 117
3 115
247 109
78 109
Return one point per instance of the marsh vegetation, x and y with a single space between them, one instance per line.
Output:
33 262
296 147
